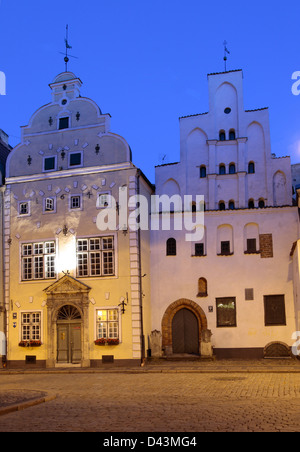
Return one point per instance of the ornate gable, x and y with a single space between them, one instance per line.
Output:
67 285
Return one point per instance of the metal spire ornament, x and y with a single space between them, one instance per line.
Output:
226 51
66 58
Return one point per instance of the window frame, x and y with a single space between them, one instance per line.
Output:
203 172
108 321
75 195
46 198
221 324
55 163
92 262
267 311
171 247
38 266
70 154
222 169
251 165
28 213
31 324
59 122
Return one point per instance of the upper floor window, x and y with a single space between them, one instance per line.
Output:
222 135
75 202
222 205
49 204
202 172
222 169
231 205
261 203
95 256
232 134
171 247
50 163
63 123
251 204
199 249
232 168
38 260
251 168
75 159
24 208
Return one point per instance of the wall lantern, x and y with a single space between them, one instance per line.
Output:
65 230
97 149
123 304
63 154
29 160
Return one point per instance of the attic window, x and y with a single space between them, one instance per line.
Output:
63 123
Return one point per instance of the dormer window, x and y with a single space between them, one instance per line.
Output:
63 123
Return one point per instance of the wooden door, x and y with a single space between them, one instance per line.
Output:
185 332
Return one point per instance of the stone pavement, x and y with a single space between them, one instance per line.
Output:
170 397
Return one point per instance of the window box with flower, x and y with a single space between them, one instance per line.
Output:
30 343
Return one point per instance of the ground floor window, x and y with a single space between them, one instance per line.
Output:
31 326
226 312
274 310
107 323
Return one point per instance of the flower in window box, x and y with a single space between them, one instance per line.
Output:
35 343
100 341
113 341
23 344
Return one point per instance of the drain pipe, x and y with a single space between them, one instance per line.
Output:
143 356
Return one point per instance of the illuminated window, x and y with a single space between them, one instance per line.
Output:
226 312
31 326
107 326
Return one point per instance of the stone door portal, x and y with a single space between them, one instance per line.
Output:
185 332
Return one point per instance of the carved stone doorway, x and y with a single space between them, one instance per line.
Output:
68 315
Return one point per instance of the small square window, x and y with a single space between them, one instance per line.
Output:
104 200
75 159
24 208
49 163
75 202
249 294
63 123
49 205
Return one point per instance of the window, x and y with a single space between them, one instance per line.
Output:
95 257
226 312
31 326
225 248
221 205
231 205
251 204
107 324
199 249
104 200
232 168
232 134
24 208
49 204
38 261
63 123
261 203
251 246
251 168
222 169
75 202
75 159
274 310
202 172
171 247
249 294
49 163
222 135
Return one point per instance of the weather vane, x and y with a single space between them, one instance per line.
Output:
67 59
226 51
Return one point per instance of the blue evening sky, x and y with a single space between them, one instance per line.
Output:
146 62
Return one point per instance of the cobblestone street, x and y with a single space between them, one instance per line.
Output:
157 402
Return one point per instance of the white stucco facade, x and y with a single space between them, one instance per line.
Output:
250 227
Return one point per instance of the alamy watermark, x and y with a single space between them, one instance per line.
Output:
296 85
2 84
137 213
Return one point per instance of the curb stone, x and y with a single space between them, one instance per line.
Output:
29 403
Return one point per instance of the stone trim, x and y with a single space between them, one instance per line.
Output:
167 319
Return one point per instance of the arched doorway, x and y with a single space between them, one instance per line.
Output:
69 335
185 332
186 327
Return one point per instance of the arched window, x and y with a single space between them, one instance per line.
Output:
202 287
251 204
222 169
261 203
251 168
221 205
222 135
231 134
171 247
231 205
232 168
202 172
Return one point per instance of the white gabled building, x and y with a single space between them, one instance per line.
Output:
237 282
